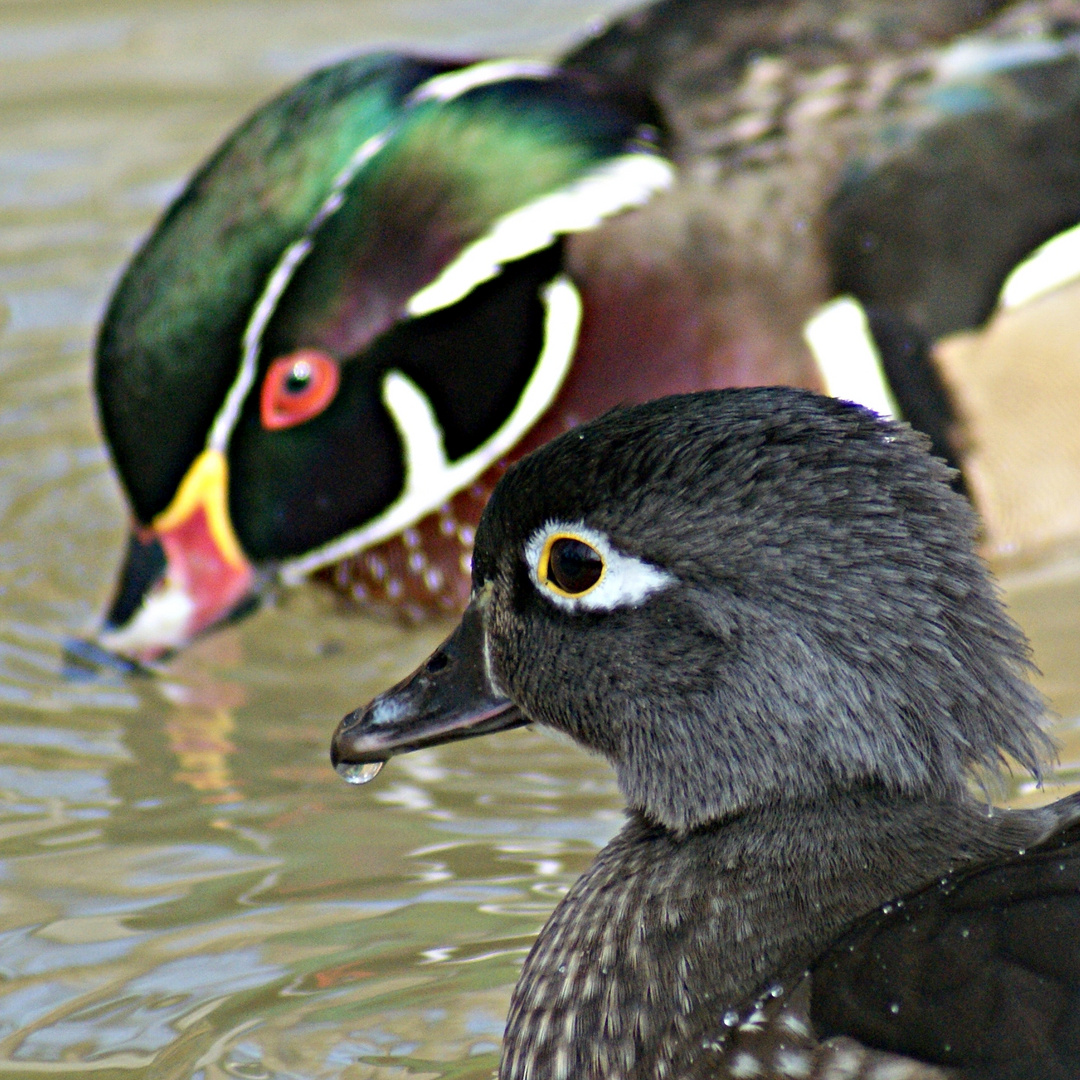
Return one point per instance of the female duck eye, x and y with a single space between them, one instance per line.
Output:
298 387
570 565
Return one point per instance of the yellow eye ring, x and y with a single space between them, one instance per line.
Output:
569 565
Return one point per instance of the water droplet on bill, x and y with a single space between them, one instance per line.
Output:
354 773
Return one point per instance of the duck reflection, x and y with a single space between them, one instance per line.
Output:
201 727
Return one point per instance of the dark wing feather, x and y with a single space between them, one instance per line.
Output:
979 973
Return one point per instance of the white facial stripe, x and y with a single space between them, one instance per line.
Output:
847 358
1055 263
626 581
439 88
430 478
229 413
276 284
620 184
455 83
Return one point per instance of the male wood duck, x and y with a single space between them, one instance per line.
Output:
403 273
763 607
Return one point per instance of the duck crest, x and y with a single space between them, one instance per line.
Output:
446 174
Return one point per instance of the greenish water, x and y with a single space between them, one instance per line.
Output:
186 889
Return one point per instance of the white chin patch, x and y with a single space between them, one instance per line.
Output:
626 581
161 623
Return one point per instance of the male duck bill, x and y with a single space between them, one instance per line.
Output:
764 608
404 273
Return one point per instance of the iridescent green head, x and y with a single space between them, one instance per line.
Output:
359 302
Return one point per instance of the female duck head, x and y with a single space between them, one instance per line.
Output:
813 616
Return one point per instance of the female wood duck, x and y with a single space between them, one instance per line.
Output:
403 273
764 608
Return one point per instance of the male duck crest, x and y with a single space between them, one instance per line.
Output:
367 306
794 708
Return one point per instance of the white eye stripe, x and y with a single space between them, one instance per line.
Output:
625 582
619 184
453 84
276 284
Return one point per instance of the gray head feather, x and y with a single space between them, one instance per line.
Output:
831 626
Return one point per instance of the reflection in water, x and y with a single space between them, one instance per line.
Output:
201 743
186 888
144 916
201 725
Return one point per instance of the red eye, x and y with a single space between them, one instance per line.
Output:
298 387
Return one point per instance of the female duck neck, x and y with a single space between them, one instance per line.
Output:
662 936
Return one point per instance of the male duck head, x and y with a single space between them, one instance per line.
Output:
403 273
763 607
309 355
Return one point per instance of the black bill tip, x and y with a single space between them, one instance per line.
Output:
449 697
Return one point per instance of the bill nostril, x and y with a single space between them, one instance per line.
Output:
436 663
